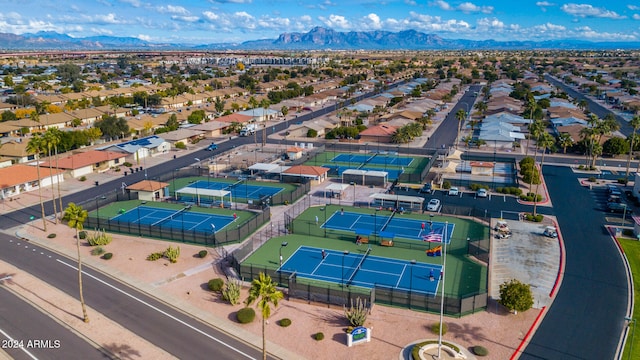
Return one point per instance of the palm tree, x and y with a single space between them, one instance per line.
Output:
635 123
583 104
531 106
36 146
75 216
264 104
481 107
56 136
587 135
460 116
545 141
564 141
264 290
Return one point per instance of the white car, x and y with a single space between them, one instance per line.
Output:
433 205
453 191
482 193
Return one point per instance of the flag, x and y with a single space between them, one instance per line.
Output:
432 237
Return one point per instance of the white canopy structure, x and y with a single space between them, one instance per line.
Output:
199 192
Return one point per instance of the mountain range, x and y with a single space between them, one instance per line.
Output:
318 38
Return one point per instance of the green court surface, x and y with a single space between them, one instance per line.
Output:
179 183
109 211
325 158
463 275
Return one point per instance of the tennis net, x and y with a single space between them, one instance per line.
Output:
235 184
358 267
388 221
170 217
370 158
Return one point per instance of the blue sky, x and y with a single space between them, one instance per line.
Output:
217 21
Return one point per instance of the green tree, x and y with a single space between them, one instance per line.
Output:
284 110
565 141
545 141
112 127
460 116
36 146
615 146
219 104
516 296
263 289
172 123
75 216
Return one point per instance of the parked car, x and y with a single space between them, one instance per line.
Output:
426 189
482 193
550 231
212 147
617 207
453 191
613 190
433 205
614 199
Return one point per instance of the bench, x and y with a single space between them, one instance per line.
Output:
362 240
386 243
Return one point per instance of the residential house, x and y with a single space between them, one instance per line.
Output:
20 178
150 190
16 150
86 163
140 148
381 133
183 135
301 173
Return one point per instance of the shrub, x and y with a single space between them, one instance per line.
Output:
83 178
530 217
172 253
312 133
127 164
215 285
349 329
99 238
82 234
51 236
531 196
592 179
107 256
231 292
246 315
627 232
515 295
284 322
319 336
180 145
415 351
203 253
622 181
480 350
435 328
154 256
357 314
446 185
97 251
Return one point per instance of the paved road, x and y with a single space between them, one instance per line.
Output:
164 326
27 325
586 319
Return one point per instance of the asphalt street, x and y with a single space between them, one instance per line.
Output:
27 333
587 316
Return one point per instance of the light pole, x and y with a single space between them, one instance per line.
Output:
213 230
624 213
284 243
444 264
413 262
345 253
633 332
138 209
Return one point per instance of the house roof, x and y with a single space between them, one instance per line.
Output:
294 149
307 170
379 130
235 117
19 174
14 149
181 134
148 185
481 164
132 146
91 157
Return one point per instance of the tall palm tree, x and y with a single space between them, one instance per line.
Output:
460 116
564 141
545 141
263 289
635 123
57 139
264 104
36 146
49 141
531 106
75 216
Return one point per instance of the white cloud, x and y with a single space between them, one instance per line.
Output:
134 3
231 1
468 7
633 7
428 23
336 21
443 5
636 17
171 9
106 19
372 21
544 4
210 15
549 27
586 10
185 18
410 2
144 37
487 23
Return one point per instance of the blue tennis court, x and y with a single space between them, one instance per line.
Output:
180 219
353 269
398 226
238 189
373 159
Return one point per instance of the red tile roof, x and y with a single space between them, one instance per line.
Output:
80 160
148 185
307 170
19 174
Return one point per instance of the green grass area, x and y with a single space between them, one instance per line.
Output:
416 166
463 275
179 183
631 248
